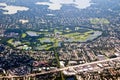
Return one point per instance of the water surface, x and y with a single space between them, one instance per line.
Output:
11 9
57 4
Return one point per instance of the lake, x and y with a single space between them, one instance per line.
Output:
57 4
10 9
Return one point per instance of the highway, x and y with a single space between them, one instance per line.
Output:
66 68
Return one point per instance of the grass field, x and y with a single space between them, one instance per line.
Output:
50 39
99 21
23 35
76 37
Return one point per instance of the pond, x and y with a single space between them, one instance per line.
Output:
32 33
93 36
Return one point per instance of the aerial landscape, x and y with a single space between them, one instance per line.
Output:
59 39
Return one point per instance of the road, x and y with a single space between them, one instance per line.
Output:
65 68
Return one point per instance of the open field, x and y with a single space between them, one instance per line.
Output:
99 21
46 40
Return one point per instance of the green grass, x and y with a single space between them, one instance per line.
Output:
46 38
48 46
23 35
45 47
70 35
74 36
10 41
27 43
99 21
78 36
57 31
67 31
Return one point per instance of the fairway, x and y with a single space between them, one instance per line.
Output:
99 21
46 40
